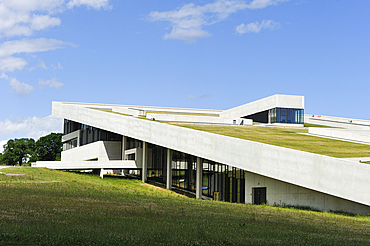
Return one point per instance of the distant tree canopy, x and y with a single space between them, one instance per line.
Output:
48 148
19 151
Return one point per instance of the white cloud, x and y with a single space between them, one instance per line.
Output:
52 83
40 22
25 45
191 97
9 64
204 96
188 21
17 18
256 27
32 127
40 64
20 88
24 17
188 35
60 66
96 4
259 4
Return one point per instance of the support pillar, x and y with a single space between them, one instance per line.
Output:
199 178
102 173
169 170
144 169
123 147
124 172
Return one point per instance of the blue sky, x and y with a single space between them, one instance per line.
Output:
201 54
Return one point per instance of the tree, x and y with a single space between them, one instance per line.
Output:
49 147
18 151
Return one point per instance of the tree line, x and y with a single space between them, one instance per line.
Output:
27 150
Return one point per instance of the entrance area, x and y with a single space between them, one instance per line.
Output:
259 196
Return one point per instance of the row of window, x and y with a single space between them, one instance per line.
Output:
286 115
88 134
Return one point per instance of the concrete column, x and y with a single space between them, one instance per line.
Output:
248 187
102 173
144 170
169 169
123 147
199 178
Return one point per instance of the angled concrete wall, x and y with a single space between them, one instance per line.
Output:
347 123
101 150
198 119
333 176
361 136
285 194
275 101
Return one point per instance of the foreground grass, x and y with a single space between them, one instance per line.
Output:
288 138
52 207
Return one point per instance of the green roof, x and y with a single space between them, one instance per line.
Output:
293 138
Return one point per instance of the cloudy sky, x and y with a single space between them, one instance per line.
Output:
203 54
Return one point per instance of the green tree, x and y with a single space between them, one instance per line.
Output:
18 151
49 147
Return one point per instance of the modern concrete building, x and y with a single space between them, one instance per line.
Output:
146 141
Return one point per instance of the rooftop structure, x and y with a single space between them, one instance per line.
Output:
217 159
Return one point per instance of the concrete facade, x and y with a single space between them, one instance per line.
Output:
284 194
275 101
346 123
359 136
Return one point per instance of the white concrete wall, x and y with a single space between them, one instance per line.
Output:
84 165
101 150
333 176
197 119
122 110
281 101
174 110
346 134
284 194
70 136
330 121
138 152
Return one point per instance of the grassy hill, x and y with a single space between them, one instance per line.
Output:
52 207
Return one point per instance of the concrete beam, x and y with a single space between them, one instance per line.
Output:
144 170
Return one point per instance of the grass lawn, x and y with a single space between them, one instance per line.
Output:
289 138
52 207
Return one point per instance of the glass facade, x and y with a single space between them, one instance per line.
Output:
157 156
184 171
219 181
88 134
222 182
286 115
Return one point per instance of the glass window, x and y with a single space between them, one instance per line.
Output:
283 115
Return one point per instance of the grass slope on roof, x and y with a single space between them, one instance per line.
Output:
289 138
48 207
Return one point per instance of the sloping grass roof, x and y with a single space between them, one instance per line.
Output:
289 138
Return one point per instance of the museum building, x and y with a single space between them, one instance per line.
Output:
147 142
